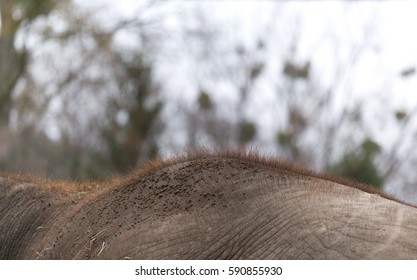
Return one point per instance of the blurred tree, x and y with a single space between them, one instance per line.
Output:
289 138
16 15
359 164
247 131
212 125
108 117
131 137
204 101
294 71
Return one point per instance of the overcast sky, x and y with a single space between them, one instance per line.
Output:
391 41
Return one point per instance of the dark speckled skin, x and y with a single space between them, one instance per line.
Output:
206 206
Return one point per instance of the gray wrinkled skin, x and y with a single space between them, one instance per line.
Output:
208 207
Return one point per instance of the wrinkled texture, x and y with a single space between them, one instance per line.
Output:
206 206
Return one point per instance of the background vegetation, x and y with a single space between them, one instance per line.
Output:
88 91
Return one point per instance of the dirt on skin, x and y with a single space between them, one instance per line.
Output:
94 215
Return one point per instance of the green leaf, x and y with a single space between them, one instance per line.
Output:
370 148
247 131
204 101
284 138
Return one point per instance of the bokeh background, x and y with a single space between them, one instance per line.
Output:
93 89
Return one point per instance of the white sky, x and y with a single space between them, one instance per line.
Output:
328 32
391 23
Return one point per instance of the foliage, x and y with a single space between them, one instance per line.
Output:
247 131
294 71
359 164
131 140
204 101
101 132
16 15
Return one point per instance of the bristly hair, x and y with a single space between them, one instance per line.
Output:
241 154
251 155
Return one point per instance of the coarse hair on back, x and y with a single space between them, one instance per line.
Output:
262 160
239 154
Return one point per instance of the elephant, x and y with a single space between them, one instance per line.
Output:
205 205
